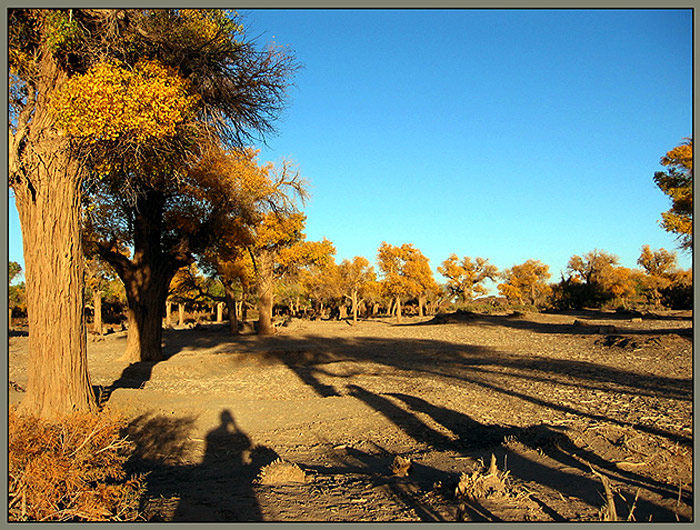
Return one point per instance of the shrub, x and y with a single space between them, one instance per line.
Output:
72 470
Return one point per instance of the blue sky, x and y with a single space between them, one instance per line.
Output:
505 134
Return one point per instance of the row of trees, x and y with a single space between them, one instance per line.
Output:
302 278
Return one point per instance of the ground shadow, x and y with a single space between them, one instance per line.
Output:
586 324
476 439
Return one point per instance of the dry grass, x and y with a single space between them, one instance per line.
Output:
72 470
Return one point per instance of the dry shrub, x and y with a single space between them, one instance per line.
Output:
70 470
483 483
281 472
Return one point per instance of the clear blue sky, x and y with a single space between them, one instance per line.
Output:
505 134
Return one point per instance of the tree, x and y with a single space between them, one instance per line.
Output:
526 283
659 266
173 205
465 278
46 170
406 273
354 278
185 79
677 183
594 279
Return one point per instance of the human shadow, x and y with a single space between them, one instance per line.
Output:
218 488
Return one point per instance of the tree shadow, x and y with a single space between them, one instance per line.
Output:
519 321
474 437
219 488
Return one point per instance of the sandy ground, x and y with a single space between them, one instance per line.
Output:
566 403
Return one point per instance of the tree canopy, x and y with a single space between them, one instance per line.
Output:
677 183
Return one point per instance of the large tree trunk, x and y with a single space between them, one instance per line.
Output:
265 286
46 179
146 278
146 295
48 202
398 310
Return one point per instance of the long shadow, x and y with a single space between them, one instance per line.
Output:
473 435
463 363
539 437
217 489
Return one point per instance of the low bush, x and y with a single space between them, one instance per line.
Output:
72 470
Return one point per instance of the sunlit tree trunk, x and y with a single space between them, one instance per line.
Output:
398 309
168 313
97 306
47 195
265 295
180 314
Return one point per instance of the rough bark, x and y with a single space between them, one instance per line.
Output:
46 179
97 307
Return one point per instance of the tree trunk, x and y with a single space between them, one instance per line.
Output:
97 306
146 296
168 313
146 277
354 306
265 295
180 314
421 303
342 312
47 193
232 305
398 310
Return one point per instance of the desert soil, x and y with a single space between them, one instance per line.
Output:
570 405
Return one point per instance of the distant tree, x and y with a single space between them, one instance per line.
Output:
14 270
677 183
679 293
465 278
526 283
406 273
354 278
16 293
659 266
594 279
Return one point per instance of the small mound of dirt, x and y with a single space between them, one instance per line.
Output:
630 343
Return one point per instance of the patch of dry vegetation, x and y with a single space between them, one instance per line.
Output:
72 470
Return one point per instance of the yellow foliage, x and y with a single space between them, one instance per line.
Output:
465 278
526 282
111 101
